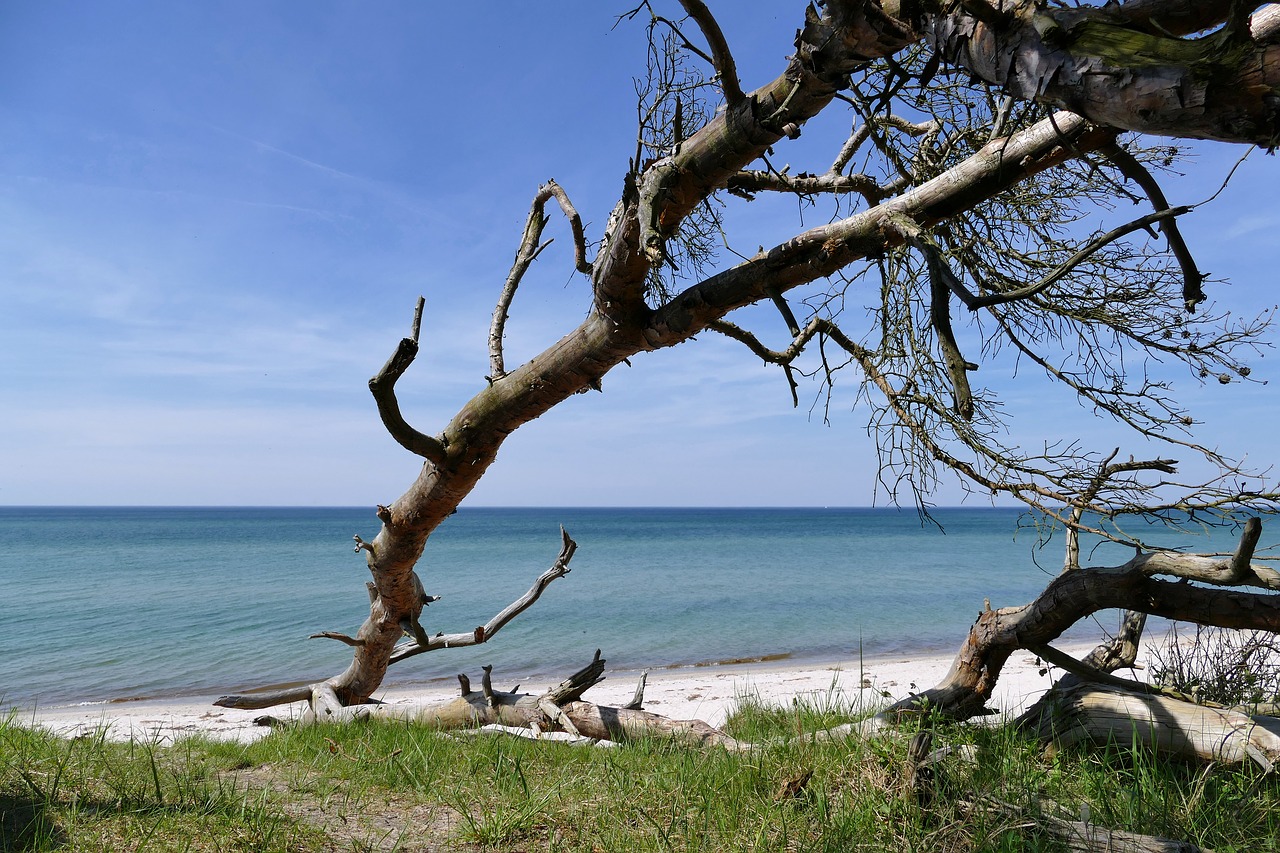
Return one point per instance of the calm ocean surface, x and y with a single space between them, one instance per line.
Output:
110 603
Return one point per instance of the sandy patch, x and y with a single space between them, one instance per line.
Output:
705 692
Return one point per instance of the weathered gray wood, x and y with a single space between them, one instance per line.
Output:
1077 593
1083 836
560 708
1089 713
1091 838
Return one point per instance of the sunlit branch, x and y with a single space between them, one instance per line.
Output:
747 182
530 248
722 59
383 388
485 632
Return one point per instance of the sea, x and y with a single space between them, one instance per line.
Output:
110 604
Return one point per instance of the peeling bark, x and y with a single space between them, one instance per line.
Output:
1223 86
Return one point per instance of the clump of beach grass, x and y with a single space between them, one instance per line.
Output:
389 786
88 793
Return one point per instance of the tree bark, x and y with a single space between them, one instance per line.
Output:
1222 86
1076 593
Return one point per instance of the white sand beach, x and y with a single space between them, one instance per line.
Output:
702 692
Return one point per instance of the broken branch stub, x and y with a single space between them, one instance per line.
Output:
383 388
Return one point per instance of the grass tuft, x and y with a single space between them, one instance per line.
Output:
385 786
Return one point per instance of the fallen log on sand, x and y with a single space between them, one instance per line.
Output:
1092 713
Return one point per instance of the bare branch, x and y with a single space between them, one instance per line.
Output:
486 684
530 248
1192 278
637 698
850 147
1119 652
828 248
1086 672
813 327
974 301
780 302
417 322
1230 570
334 635
1090 492
265 699
746 182
383 388
1240 561
485 632
722 59
940 317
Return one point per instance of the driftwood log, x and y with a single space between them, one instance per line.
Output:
1081 835
560 709
1094 714
1188 587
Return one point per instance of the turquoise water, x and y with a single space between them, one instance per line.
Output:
111 603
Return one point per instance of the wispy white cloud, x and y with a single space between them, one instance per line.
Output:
1251 224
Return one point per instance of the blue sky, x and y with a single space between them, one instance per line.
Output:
217 218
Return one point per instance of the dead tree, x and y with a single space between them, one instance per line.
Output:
981 134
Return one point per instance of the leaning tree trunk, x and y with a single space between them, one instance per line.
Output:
1068 57
620 324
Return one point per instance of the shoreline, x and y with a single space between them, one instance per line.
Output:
706 692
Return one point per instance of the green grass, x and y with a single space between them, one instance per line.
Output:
389 786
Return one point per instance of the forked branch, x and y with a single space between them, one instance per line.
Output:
484 632
530 248
1192 278
974 301
251 701
817 325
1106 471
